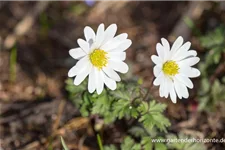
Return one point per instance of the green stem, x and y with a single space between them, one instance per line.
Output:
99 142
13 57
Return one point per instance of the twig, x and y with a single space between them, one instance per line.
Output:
59 115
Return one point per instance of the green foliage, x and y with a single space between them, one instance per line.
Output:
215 42
211 95
124 108
128 143
75 95
212 92
145 144
184 145
160 146
137 131
110 147
152 115
127 102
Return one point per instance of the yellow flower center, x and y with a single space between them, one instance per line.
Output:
98 58
170 68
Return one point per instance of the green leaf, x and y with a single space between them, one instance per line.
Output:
137 131
64 144
213 38
151 115
121 94
157 107
85 105
147 143
110 147
136 147
184 145
203 102
101 103
160 146
127 144
205 86
214 41
123 108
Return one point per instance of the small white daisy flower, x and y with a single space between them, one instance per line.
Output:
100 57
174 68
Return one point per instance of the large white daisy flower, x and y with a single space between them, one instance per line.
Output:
100 56
174 68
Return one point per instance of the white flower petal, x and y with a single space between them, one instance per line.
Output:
165 44
160 51
185 55
175 85
185 80
194 73
176 45
91 81
110 33
181 51
114 43
168 83
158 79
103 40
166 47
77 53
122 46
100 35
89 34
185 47
192 53
99 82
111 74
161 88
84 45
121 36
118 66
189 61
177 88
82 75
189 72
119 56
183 90
157 70
173 95
111 84
156 59
75 70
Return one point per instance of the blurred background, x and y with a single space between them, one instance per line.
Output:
35 38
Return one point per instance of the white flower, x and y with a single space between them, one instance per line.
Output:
99 57
174 68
